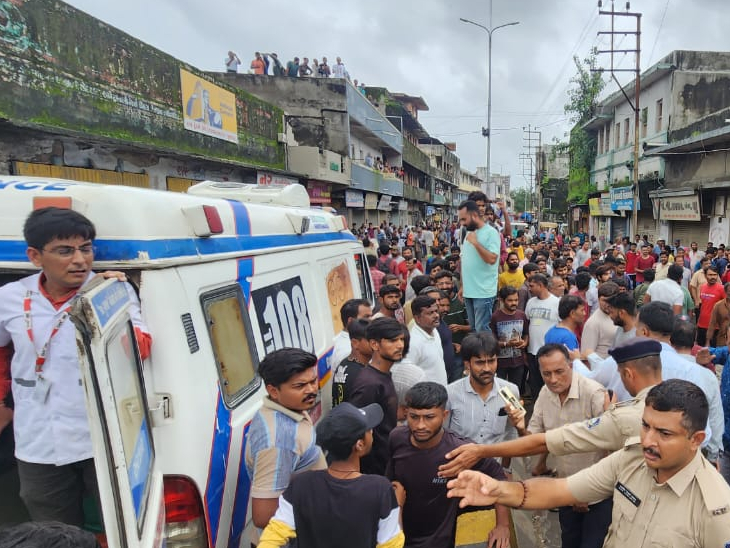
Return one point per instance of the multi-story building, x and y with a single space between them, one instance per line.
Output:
467 182
682 97
122 112
552 187
497 185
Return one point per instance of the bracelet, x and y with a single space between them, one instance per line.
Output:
524 495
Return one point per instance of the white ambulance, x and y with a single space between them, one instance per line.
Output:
225 274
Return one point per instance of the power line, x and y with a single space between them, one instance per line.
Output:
658 32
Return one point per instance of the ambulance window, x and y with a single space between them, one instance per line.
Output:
363 276
232 340
125 374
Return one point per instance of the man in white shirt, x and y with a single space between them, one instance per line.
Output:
542 311
667 290
352 309
52 438
599 332
425 349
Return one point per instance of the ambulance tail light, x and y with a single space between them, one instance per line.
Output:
184 515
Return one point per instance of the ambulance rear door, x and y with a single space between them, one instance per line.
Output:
130 482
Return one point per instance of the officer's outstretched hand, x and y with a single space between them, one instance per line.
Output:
474 489
461 458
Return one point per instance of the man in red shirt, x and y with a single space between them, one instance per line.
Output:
631 256
646 260
711 292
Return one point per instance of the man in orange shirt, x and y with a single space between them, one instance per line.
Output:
258 65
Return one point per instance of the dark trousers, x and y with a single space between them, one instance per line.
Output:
515 375
534 378
702 336
585 529
56 493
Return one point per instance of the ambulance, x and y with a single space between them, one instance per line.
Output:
225 274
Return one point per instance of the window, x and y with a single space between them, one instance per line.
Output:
617 136
659 113
600 141
125 376
607 140
232 340
644 121
626 131
363 275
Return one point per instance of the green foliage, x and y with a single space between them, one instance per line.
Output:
582 106
522 199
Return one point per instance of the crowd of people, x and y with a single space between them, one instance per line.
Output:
602 348
270 64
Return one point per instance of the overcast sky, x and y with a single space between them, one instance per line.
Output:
421 48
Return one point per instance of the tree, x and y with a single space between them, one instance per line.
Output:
582 106
522 200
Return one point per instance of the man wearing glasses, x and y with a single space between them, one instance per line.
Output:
39 363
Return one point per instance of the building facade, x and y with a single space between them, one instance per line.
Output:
684 100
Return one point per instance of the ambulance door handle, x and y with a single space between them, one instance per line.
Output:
163 409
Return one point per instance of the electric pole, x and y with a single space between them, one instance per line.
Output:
637 90
533 142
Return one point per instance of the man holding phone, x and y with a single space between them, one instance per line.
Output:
475 405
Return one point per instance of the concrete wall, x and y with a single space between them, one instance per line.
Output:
700 103
30 146
63 70
316 108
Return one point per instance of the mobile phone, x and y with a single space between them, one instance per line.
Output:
510 398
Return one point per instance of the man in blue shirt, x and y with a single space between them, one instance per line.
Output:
572 312
720 355
479 265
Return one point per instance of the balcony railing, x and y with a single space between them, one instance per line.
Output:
365 178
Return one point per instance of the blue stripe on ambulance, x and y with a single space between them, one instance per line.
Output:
128 250
217 467
240 504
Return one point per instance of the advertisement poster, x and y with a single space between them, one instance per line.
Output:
207 108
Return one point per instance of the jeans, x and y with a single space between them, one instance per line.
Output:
585 529
534 378
515 375
479 312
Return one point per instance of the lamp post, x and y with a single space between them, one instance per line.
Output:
487 132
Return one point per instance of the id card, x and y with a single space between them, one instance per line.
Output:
42 390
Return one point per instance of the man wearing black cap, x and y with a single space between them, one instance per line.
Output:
322 508
639 367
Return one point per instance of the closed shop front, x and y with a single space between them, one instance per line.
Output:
691 231
619 227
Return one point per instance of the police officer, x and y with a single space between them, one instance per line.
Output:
665 493
640 369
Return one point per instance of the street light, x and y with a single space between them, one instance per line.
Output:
487 133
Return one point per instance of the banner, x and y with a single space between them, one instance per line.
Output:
207 108
270 179
384 203
353 198
680 208
371 201
319 193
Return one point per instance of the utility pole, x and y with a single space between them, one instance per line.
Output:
637 89
533 143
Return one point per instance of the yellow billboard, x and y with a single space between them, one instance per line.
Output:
207 108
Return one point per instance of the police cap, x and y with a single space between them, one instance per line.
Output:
633 349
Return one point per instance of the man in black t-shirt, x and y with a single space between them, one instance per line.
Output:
374 385
349 368
416 452
340 506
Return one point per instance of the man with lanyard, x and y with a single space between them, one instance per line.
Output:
52 439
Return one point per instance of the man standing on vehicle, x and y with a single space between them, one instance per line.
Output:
52 439
480 262
281 440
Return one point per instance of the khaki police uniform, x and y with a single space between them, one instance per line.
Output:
610 431
691 509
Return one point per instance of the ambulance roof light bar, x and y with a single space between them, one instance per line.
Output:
294 195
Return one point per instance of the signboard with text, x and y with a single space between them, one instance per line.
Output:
622 198
353 198
680 208
270 179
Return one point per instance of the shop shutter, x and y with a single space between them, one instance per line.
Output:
690 231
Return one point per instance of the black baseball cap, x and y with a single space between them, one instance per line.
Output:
346 422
